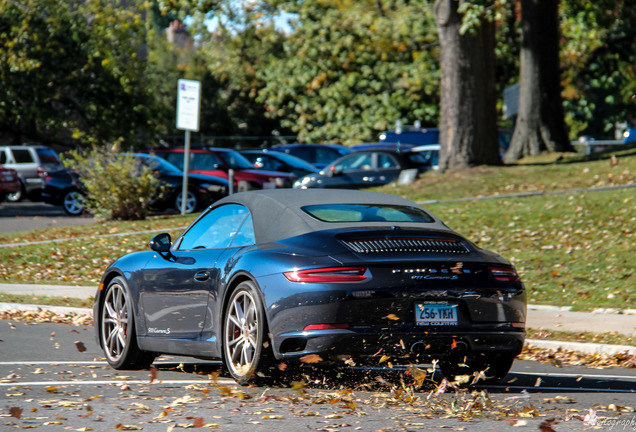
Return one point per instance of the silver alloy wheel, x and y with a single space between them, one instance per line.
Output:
241 334
191 202
115 318
73 203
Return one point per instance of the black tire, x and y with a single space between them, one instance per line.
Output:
192 202
73 203
247 353
17 196
495 368
117 334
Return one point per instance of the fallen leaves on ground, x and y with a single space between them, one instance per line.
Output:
47 316
561 357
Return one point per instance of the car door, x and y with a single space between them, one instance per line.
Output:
177 287
352 171
386 169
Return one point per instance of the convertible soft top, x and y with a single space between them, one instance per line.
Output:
277 213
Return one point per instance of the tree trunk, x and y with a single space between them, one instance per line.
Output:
540 122
468 125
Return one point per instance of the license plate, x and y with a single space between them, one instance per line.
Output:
435 314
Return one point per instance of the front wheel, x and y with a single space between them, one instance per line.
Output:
192 202
117 334
246 353
494 368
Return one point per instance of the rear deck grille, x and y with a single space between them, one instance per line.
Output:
407 245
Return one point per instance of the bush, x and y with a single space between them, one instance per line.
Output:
117 185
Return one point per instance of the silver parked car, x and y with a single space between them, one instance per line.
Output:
32 162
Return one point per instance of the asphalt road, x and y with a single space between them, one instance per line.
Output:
60 380
27 215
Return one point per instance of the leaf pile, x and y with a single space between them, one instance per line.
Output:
561 357
47 316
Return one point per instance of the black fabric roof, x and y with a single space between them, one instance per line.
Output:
277 213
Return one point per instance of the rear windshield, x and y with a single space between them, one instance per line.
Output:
367 213
47 155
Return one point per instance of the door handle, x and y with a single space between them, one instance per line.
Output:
202 276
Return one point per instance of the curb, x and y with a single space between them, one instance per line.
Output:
585 348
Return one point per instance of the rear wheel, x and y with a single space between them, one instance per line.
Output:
73 203
246 352
192 202
117 334
16 196
494 368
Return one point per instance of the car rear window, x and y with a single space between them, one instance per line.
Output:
47 155
344 213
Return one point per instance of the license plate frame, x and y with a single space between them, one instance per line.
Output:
436 314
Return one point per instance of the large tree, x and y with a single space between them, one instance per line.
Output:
351 68
540 124
70 72
468 125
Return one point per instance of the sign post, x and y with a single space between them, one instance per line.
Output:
188 107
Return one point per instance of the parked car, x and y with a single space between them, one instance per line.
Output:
319 155
629 135
274 276
9 182
64 187
32 162
367 168
272 160
218 161
427 136
383 146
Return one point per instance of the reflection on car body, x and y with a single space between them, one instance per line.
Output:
271 276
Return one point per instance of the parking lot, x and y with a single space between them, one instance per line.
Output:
28 215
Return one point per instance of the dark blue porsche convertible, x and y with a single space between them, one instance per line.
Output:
271 276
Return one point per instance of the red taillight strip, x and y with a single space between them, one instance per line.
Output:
504 274
326 326
329 274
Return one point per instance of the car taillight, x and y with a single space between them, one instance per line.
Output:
41 173
326 326
504 274
329 274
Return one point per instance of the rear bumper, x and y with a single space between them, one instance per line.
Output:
415 345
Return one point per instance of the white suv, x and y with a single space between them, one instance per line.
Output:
32 162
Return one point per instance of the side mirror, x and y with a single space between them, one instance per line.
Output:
161 243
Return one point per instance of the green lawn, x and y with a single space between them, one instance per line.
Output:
574 249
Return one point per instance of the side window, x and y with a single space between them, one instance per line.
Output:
218 228
325 156
245 234
386 161
356 162
303 153
3 157
175 159
22 156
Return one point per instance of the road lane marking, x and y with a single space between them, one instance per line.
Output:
156 382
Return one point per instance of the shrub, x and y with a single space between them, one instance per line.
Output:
117 185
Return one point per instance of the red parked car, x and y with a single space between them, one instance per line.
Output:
218 161
9 182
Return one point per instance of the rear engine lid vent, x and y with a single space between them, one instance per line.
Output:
410 245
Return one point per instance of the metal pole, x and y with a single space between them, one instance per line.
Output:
186 169
230 177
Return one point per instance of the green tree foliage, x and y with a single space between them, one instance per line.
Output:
598 57
350 68
118 186
70 72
